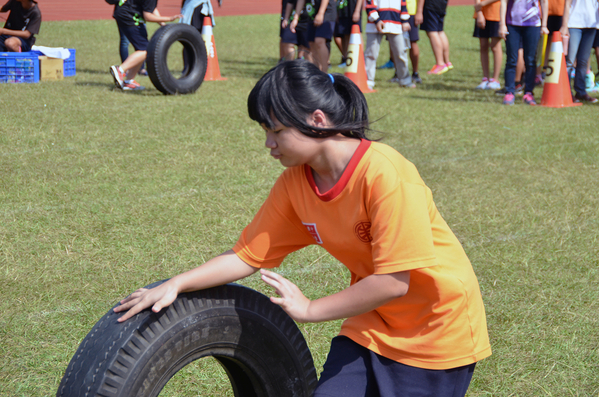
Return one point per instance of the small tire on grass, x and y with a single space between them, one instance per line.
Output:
259 346
194 52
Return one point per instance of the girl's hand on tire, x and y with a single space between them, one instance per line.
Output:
292 300
157 298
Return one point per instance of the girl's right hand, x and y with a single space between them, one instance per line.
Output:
503 31
284 23
481 22
157 298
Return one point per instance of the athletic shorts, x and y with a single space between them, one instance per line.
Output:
301 33
25 46
414 35
343 26
325 31
352 370
491 30
432 21
137 35
287 36
554 23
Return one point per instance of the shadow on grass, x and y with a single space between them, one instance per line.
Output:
470 98
248 68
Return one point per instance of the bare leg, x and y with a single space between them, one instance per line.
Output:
497 57
286 51
520 65
414 56
484 56
320 53
133 63
445 43
437 46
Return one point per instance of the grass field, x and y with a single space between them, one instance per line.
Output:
102 192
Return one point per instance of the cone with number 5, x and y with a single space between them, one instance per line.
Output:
556 92
354 69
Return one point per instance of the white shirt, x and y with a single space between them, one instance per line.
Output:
584 14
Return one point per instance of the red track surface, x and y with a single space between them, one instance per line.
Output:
68 10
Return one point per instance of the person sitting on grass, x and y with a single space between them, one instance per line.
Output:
130 16
415 321
22 24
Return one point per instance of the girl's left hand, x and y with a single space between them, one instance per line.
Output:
292 300
544 30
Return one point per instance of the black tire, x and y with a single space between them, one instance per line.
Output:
194 53
260 347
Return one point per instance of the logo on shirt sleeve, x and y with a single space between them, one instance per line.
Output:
313 231
362 230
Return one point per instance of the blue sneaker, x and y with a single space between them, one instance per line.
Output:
388 65
589 81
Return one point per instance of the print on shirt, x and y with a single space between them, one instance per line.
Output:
313 231
362 230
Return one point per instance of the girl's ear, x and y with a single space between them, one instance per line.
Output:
318 119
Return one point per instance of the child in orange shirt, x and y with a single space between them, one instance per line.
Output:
415 320
486 28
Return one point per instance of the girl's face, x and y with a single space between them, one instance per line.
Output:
289 146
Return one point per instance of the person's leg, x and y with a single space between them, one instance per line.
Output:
497 57
512 43
414 48
444 46
484 56
12 44
437 47
530 39
320 53
347 371
371 54
574 43
400 58
584 51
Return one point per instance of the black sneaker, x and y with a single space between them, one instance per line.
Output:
584 98
501 92
519 88
416 78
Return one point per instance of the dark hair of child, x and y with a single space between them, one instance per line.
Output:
293 90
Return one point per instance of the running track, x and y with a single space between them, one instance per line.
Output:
68 10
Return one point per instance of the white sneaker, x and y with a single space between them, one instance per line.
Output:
493 85
342 65
370 84
483 85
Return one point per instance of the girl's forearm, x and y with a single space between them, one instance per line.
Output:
223 269
362 297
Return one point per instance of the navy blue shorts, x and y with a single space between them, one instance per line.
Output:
287 36
343 26
432 21
491 30
352 370
25 46
554 23
325 31
137 35
414 35
302 37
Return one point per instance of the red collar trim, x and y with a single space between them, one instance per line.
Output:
345 177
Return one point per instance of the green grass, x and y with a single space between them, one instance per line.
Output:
102 192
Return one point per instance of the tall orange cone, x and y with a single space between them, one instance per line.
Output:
355 70
212 70
556 92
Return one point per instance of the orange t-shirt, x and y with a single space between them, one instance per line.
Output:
491 12
380 218
556 7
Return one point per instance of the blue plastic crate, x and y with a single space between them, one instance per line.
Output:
19 67
69 64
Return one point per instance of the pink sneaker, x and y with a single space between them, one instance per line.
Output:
529 99
118 75
438 69
449 65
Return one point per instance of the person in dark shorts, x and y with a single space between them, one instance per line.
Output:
21 26
131 17
430 16
290 39
321 25
349 12
486 28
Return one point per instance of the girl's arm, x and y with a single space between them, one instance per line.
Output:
357 11
288 9
299 6
155 16
502 26
223 269
419 9
544 16
319 17
564 29
364 296
24 34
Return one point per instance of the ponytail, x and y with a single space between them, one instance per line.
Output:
293 90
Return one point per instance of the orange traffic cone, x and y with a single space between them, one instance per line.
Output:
212 70
556 92
355 70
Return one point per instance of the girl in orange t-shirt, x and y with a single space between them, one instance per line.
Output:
415 320
486 28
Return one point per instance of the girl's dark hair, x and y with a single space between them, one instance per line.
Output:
293 90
